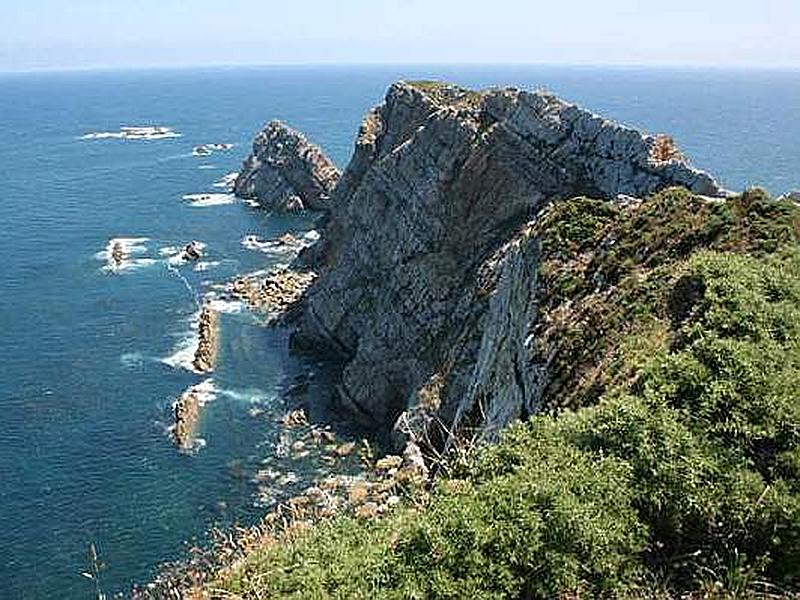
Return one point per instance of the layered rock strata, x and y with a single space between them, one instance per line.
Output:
428 264
286 172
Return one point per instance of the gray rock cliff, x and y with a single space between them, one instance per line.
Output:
427 264
286 172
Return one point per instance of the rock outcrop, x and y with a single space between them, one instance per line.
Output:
187 411
205 357
186 414
192 251
277 295
428 264
286 172
117 255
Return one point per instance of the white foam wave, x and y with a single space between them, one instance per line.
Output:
284 245
230 307
206 167
204 200
205 265
248 396
129 265
209 149
183 353
134 133
132 359
205 391
129 245
226 181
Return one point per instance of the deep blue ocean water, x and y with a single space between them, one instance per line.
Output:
85 396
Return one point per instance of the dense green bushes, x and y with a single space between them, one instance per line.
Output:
678 470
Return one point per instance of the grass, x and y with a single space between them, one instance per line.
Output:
668 463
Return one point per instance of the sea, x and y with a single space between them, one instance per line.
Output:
92 358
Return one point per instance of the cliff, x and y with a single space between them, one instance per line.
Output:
429 261
286 172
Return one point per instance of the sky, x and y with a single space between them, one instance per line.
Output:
87 34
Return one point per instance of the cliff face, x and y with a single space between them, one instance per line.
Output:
428 262
286 172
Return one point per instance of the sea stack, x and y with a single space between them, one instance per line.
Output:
427 267
205 356
187 414
286 172
187 411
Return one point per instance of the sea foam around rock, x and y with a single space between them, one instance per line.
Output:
205 200
134 133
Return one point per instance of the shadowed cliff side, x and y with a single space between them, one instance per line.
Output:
428 262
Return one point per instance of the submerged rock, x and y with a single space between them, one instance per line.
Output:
286 172
428 265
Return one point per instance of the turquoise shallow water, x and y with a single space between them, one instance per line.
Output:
85 396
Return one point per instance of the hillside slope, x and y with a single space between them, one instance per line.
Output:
672 466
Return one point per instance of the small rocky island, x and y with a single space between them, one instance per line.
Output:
286 172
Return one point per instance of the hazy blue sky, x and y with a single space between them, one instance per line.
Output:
134 33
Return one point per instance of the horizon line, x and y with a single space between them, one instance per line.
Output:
690 66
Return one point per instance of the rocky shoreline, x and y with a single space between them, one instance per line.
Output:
277 295
380 485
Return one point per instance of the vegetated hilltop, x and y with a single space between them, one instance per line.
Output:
503 255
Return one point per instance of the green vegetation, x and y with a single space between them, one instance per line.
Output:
669 462
447 94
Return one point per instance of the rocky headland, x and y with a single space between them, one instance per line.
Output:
428 263
500 256
286 172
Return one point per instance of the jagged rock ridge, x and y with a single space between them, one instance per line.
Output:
286 172
427 264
